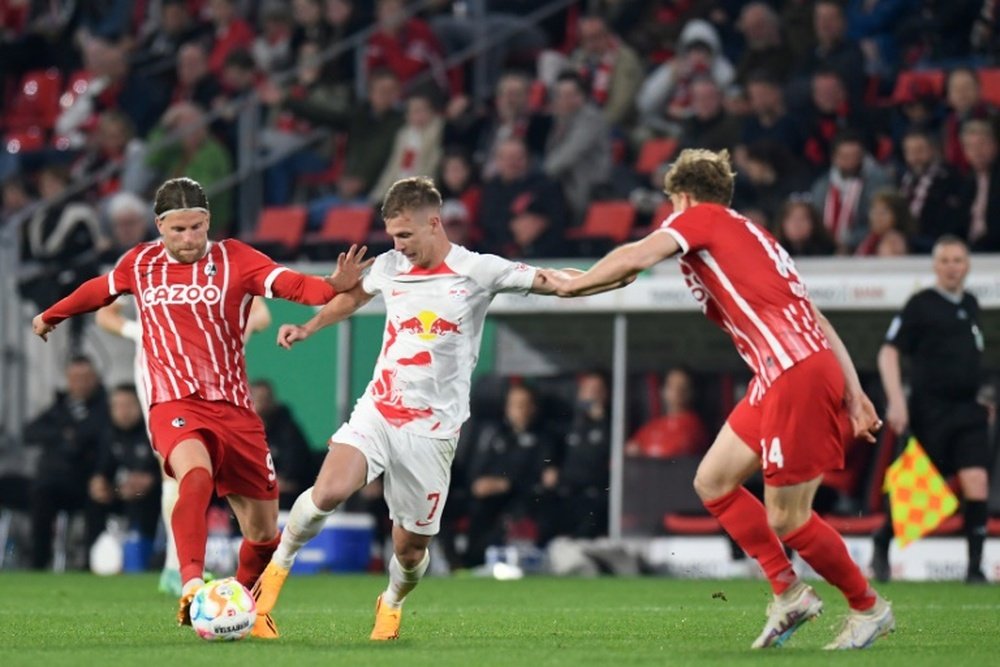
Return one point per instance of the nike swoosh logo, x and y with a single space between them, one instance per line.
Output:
423 523
397 292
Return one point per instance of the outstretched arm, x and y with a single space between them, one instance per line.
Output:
88 297
864 419
619 267
547 282
338 309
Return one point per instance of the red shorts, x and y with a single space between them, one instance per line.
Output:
800 427
234 437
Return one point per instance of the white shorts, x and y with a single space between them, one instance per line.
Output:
416 470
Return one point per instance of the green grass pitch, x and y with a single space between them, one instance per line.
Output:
48 620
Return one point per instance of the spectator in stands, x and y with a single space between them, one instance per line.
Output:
112 86
14 197
408 47
918 108
131 221
310 24
831 113
985 31
514 189
611 69
232 32
765 47
872 24
710 125
345 18
964 103
177 26
461 196
844 193
768 175
293 461
679 431
272 49
369 129
893 244
417 148
768 120
833 50
126 477
237 82
64 237
511 116
931 189
197 155
664 99
981 189
800 230
69 435
575 498
114 143
578 150
195 82
505 470
887 212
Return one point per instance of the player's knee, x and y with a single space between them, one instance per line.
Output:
410 555
329 496
784 520
709 487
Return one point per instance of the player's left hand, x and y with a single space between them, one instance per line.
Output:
41 328
350 266
864 420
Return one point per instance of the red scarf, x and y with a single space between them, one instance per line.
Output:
600 76
840 208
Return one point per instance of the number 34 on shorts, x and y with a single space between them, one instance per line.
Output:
771 454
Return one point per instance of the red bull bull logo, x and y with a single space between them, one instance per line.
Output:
428 325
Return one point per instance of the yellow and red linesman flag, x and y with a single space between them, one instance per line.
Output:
919 495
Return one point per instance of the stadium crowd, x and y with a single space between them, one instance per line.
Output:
858 128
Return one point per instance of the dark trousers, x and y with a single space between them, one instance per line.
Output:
485 526
572 512
49 496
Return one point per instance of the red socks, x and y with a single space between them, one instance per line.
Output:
189 524
254 557
823 548
745 519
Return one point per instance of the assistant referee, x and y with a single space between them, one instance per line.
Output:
938 330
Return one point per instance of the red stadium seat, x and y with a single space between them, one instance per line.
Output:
911 85
279 230
606 220
683 524
662 212
37 101
342 226
30 139
989 85
654 153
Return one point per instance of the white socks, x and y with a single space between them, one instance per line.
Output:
402 581
168 498
305 521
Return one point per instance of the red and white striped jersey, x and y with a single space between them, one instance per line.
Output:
747 284
193 316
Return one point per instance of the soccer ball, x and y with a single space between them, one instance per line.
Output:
223 610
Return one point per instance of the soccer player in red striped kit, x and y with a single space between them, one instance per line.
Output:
802 403
193 298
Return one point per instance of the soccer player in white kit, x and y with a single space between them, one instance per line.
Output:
405 426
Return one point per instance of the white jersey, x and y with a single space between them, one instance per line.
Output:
433 329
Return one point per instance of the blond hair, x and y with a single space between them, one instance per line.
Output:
707 176
410 194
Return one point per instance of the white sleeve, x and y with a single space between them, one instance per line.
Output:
374 277
501 275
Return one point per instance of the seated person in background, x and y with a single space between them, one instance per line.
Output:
69 432
127 477
679 431
293 462
505 468
575 501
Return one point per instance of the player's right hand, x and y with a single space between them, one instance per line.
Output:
898 417
41 328
290 334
